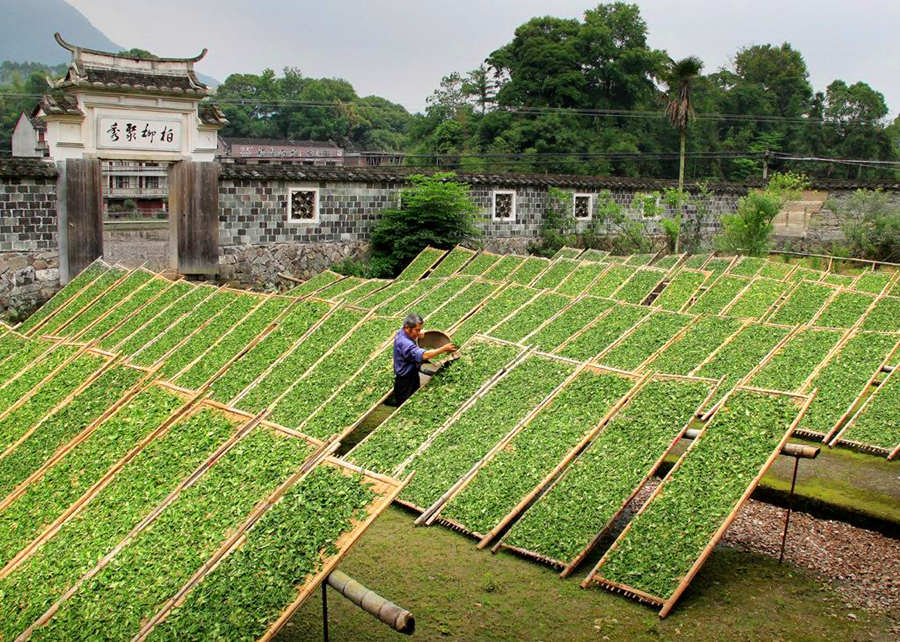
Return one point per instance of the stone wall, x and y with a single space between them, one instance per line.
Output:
258 266
27 279
29 253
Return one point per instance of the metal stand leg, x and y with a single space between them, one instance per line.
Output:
787 517
324 613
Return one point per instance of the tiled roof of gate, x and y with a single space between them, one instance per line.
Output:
57 104
210 114
185 84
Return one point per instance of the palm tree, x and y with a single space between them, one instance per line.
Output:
680 112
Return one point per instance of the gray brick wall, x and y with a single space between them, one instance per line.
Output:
28 214
254 212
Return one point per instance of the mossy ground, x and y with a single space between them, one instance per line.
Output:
457 592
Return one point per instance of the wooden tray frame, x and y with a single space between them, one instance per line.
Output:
262 301
373 356
570 455
264 332
341 277
726 311
80 349
434 510
213 291
331 311
567 567
154 277
34 331
430 284
525 307
709 288
429 267
471 254
553 263
638 269
488 385
829 435
244 427
693 296
668 603
522 257
63 450
878 450
127 273
125 339
642 366
475 338
593 252
587 327
586 264
478 255
844 290
547 264
472 310
161 361
267 411
151 301
322 451
188 407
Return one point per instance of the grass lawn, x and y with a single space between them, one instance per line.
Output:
458 592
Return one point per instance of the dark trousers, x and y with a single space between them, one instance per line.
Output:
405 386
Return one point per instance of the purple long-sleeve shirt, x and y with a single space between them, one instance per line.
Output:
407 355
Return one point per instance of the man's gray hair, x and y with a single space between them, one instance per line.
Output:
412 320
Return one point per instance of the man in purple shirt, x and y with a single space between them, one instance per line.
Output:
408 356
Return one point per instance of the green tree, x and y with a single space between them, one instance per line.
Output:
680 111
435 211
296 107
855 114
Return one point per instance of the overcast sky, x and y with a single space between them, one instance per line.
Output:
400 49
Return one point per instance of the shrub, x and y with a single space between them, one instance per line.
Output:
435 211
871 224
750 229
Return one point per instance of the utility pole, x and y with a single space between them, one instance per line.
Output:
766 156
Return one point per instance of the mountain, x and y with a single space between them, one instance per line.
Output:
26 32
27 28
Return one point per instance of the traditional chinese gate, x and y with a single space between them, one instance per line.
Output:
118 108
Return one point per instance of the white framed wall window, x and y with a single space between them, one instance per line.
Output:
582 206
503 205
303 204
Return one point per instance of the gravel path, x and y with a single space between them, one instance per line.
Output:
862 566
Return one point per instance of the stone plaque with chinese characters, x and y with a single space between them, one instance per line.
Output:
139 133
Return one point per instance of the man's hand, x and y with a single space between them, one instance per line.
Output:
448 348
